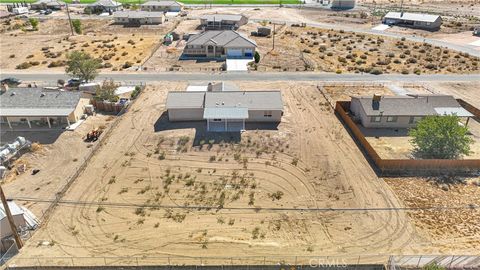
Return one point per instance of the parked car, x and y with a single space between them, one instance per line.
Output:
75 82
47 12
11 81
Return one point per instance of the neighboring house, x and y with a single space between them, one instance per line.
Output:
48 4
476 31
164 6
222 21
32 107
219 44
403 111
22 217
342 4
138 17
225 110
413 20
104 6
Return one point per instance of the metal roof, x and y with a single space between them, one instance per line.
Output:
419 105
225 38
162 3
36 102
420 17
222 17
253 100
225 113
137 14
16 210
177 100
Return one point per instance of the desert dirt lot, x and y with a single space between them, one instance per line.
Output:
118 47
150 176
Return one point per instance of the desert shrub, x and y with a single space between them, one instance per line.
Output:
24 65
376 71
127 64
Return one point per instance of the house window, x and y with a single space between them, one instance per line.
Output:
376 119
392 119
267 113
414 119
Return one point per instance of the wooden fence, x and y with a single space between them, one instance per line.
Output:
106 106
401 167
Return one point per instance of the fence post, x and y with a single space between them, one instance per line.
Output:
73 264
105 261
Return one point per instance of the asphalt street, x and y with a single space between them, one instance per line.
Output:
253 76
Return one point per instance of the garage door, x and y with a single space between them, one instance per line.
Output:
234 52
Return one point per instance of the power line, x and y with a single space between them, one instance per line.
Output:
274 209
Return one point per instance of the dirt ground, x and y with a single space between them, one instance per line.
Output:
259 191
59 156
116 46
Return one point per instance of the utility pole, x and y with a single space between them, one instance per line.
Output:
69 19
18 241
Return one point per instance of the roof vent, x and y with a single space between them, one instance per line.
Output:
13 94
223 103
42 94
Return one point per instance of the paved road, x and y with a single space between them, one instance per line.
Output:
255 76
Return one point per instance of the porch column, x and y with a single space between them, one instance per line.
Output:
48 121
243 124
68 121
28 122
208 124
9 124
225 124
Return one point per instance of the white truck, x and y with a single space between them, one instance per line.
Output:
20 10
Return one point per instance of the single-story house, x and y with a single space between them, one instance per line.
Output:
413 20
22 218
403 111
163 5
225 110
30 107
219 44
48 4
223 21
343 4
104 6
138 17
476 31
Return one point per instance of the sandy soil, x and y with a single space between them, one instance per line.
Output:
309 162
397 145
113 44
60 155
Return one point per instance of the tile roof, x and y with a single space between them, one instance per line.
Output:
37 102
418 105
412 16
225 38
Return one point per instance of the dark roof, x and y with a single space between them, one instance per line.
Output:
225 38
37 102
419 105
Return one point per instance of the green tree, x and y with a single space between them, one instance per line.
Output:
440 137
433 266
256 56
106 91
82 65
77 26
34 23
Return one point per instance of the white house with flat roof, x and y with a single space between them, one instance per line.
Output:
225 110
413 20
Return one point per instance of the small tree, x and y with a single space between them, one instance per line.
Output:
256 56
440 137
33 23
82 65
77 26
106 91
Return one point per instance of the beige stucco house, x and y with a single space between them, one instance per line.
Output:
222 21
32 107
138 17
163 5
225 110
219 44
402 111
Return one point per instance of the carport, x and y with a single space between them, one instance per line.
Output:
225 119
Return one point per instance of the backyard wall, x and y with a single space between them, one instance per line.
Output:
399 167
